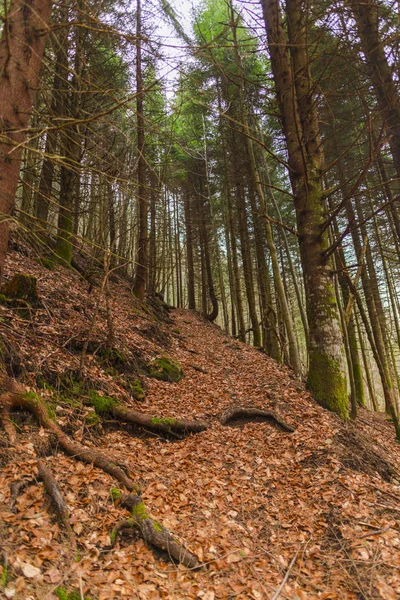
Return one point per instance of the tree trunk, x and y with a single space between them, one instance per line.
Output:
21 51
297 105
140 284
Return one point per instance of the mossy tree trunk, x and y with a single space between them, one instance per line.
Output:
291 72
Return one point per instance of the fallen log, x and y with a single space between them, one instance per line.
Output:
251 413
157 424
104 405
153 532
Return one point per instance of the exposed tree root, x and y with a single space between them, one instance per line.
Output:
235 414
8 427
165 425
13 396
17 399
153 532
53 490
16 488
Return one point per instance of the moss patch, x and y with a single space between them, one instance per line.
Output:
166 369
327 383
92 419
136 389
47 263
139 512
115 493
101 404
63 594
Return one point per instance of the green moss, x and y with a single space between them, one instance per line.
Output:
113 357
3 299
327 383
48 263
63 594
115 493
158 526
136 389
50 412
165 421
166 369
139 512
31 397
101 404
92 419
176 330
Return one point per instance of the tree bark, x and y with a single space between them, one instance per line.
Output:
140 284
21 50
297 106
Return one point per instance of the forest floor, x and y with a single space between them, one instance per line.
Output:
303 515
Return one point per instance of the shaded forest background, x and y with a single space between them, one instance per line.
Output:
247 166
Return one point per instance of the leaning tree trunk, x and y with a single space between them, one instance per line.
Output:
21 51
297 106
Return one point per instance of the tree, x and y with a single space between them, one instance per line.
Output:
21 50
296 102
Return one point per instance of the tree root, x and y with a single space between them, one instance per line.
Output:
153 532
167 425
53 490
250 413
17 398
16 488
13 396
8 426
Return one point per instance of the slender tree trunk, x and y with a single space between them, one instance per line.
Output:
140 284
21 51
189 250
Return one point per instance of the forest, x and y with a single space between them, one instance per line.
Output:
199 299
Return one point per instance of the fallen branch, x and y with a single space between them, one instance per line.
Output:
249 413
152 531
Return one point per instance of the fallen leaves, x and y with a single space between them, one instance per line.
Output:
244 499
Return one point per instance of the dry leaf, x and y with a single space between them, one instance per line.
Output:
30 571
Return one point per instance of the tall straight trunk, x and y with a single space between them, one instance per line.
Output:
154 193
238 176
270 341
70 147
256 181
28 180
297 105
21 50
44 192
207 273
189 250
230 230
140 283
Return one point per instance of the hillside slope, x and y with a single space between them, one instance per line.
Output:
313 513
